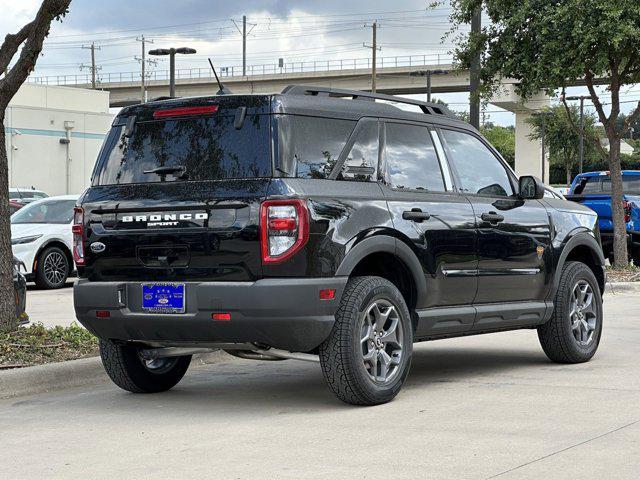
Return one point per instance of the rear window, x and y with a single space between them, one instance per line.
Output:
201 148
53 211
598 185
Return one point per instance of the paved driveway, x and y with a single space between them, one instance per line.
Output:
478 407
51 307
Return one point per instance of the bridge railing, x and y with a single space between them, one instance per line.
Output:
252 70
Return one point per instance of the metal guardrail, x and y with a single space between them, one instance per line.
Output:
252 70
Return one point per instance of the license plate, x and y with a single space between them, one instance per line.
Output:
163 297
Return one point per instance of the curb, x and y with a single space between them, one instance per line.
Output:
73 373
51 376
622 287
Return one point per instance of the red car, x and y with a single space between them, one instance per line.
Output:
14 207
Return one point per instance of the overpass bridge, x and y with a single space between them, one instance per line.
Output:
394 76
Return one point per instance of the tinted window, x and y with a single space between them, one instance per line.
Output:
630 185
55 211
209 148
361 163
309 146
14 195
479 170
412 162
596 185
587 185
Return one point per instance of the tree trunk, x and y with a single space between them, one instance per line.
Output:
620 252
568 170
8 320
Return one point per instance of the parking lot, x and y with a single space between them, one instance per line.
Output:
475 407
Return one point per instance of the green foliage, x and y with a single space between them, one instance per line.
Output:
37 344
503 139
563 139
547 45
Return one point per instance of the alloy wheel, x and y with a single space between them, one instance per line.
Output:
55 268
382 341
582 313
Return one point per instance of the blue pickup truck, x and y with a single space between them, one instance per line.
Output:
593 190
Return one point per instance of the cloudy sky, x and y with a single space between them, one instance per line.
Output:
295 30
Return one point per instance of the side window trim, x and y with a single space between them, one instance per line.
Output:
360 126
513 181
443 160
446 177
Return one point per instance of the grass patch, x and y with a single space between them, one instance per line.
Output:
630 273
35 345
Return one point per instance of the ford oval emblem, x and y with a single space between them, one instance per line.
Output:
98 247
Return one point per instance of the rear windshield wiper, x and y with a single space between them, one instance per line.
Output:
178 171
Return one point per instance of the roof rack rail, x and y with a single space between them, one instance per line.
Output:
426 107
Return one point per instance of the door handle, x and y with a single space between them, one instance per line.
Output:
416 215
492 217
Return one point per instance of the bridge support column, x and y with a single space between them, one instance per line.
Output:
528 152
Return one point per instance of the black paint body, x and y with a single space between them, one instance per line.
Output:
459 274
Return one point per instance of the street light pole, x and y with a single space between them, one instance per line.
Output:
428 74
172 63
582 98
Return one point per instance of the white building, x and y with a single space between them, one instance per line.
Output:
53 137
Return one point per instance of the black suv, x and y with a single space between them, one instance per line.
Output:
325 225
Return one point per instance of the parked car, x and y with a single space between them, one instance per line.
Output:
593 189
41 238
14 207
337 230
25 195
20 289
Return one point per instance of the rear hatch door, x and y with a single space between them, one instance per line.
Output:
176 195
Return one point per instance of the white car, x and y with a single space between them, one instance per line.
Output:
41 238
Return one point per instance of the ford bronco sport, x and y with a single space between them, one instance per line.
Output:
321 224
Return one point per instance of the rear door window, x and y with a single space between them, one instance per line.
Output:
208 148
411 159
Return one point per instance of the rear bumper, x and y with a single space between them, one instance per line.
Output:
281 313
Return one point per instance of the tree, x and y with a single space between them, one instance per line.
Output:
561 138
32 36
552 45
503 139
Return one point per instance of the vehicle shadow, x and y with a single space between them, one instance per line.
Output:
279 387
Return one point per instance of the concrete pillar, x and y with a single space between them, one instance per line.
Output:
528 152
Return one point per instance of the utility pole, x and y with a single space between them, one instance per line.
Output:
243 31
374 48
93 67
474 109
244 45
143 63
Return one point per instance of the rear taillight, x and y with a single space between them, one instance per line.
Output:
627 210
284 229
78 235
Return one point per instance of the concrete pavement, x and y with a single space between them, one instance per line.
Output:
51 307
476 408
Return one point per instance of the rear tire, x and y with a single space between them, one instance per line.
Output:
53 268
128 370
367 356
573 333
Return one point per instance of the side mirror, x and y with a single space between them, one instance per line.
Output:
530 188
